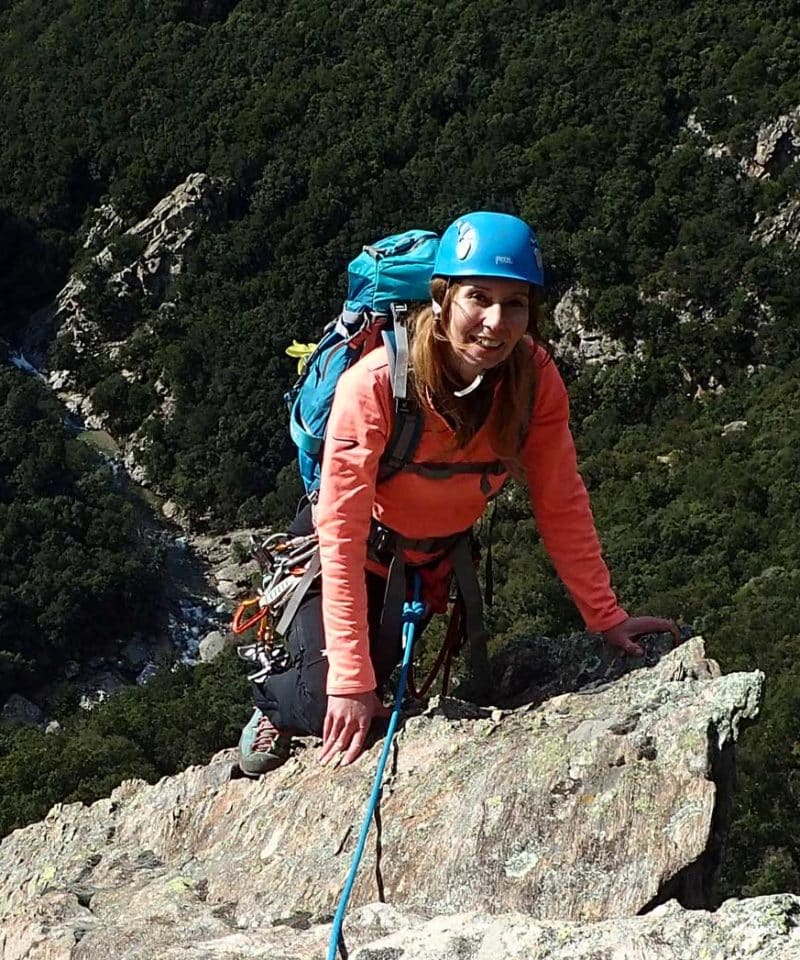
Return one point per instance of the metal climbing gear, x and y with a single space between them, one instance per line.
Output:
289 565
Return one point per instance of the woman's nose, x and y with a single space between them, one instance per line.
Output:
493 315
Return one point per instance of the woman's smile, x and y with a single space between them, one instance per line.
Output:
487 342
487 318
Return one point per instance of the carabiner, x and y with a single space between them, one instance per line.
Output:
239 626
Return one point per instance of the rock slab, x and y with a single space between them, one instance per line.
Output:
594 805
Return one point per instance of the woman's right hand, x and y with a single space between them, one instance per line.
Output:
347 723
625 634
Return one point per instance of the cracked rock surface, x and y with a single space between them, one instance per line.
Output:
593 805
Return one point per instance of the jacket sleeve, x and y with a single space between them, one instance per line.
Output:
357 434
561 504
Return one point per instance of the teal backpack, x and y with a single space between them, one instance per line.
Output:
384 280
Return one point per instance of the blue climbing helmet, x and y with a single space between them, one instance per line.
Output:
485 244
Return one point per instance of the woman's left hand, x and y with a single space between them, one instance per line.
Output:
625 634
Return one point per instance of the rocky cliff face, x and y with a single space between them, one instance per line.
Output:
135 266
578 342
783 225
777 146
525 830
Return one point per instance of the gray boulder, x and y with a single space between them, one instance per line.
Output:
578 340
212 645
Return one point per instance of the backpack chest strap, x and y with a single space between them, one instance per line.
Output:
441 471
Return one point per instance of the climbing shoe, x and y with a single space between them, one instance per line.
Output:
262 747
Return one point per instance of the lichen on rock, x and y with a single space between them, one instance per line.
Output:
595 804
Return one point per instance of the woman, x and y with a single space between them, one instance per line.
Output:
489 391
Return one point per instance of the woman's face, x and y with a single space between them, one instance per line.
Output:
488 318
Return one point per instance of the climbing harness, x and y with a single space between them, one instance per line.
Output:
413 612
388 547
289 565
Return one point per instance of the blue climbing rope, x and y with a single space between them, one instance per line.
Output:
413 611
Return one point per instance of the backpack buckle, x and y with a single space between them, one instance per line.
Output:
382 540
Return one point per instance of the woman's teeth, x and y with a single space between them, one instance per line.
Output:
488 343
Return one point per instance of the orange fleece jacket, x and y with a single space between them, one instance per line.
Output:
416 507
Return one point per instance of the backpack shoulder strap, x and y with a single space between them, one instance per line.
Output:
407 426
400 344
404 439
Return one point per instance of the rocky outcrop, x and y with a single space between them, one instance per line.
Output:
105 223
21 712
782 226
764 928
140 263
734 426
777 146
578 342
767 928
227 560
168 232
596 804
697 131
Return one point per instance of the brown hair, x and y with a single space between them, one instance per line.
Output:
435 381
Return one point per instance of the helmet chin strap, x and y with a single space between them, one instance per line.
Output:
465 391
469 389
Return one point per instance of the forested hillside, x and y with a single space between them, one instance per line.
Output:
77 579
626 131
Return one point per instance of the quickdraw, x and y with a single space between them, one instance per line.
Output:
288 567
240 626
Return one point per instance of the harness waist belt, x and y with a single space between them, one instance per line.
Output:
383 543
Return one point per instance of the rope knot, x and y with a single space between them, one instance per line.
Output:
413 611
